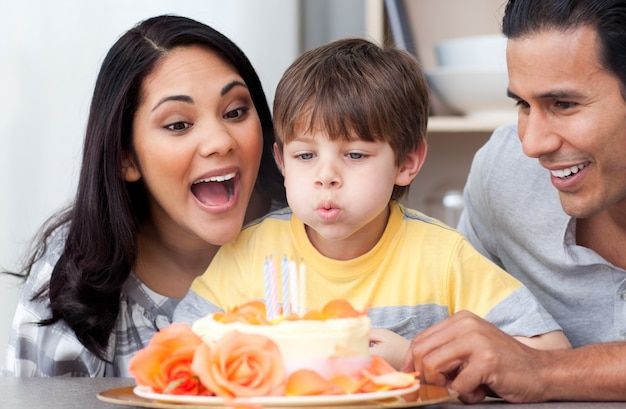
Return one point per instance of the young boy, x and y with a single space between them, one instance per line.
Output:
350 122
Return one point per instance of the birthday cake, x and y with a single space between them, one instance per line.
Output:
330 342
268 348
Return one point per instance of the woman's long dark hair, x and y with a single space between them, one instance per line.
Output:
101 246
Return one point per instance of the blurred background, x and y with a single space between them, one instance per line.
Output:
50 52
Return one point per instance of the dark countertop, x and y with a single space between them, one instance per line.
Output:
81 393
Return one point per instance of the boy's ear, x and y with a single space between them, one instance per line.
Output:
130 171
278 157
411 165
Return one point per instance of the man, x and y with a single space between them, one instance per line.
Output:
546 200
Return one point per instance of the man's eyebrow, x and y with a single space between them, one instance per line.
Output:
230 86
182 98
511 94
553 94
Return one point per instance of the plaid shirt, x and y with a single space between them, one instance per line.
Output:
54 350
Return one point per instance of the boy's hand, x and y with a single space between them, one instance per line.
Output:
389 346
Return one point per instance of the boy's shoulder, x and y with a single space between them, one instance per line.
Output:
414 215
283 214
276 219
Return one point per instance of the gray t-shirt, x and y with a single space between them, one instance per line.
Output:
513 216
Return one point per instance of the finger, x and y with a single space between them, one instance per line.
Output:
427 341
469 383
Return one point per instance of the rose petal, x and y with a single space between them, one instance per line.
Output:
382 376
172 347
339 308
379 366
348 384
252 312
314 315
305 382
241 365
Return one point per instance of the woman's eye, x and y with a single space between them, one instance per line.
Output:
178 126
237 113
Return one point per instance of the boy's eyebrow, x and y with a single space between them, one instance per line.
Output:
186 98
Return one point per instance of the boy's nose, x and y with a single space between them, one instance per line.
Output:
327 176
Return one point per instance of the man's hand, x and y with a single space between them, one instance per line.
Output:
476 359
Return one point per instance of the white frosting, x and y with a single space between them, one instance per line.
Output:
328 347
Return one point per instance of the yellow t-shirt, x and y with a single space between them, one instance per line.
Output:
419 272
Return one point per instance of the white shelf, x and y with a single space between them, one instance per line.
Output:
466 124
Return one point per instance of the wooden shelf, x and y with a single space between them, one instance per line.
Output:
467 124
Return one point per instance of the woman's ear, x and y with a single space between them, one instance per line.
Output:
411 165
278 157
130 171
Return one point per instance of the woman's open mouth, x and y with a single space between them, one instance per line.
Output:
216 190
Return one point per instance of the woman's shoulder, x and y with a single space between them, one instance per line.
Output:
50 253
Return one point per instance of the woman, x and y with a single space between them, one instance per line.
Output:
178 131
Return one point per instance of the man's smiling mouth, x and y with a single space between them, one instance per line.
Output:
567 172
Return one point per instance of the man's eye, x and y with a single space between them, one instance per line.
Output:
178 126
521 103
565 104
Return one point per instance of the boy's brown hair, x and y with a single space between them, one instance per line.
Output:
353 86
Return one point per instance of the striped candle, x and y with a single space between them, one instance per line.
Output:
294 288
284 275
302 288
272 301
266 280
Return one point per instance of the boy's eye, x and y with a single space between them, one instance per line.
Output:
355 155
305 156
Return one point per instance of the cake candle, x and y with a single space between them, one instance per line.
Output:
272 301
294 288
302 288
284 275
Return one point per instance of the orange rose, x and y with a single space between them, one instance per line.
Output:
165 364
241 365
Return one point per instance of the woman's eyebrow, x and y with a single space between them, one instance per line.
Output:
181 98
189 100
232 85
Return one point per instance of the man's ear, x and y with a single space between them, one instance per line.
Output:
130 171
411 165
278 157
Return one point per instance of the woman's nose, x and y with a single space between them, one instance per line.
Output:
215 140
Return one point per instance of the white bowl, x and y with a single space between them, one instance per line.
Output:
473 90
473 51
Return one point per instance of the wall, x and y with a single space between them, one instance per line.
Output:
50 53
